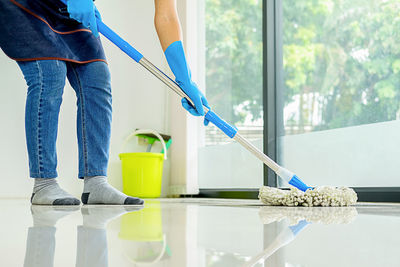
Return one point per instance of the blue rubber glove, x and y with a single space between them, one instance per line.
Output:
85 12
177 62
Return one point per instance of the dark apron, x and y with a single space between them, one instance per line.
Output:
42 29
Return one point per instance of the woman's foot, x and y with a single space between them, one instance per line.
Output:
46 191
97 190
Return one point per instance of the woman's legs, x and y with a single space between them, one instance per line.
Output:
45 80
92 86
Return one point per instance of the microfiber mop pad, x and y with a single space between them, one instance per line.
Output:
324 196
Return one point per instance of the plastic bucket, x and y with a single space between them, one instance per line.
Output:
142 172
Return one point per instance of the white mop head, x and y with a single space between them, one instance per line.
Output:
324 196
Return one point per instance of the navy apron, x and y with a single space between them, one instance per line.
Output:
42 29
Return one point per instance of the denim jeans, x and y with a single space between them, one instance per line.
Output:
46 81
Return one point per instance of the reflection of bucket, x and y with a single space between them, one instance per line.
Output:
143 230
143 225
142 172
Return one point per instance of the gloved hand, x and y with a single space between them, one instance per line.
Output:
85 12
177 62
195 94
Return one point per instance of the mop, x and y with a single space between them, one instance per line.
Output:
225 127
324 196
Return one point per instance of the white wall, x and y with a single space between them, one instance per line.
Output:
362 156
139 101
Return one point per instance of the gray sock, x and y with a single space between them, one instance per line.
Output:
96 190
46 191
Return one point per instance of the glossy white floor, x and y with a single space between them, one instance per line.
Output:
199 232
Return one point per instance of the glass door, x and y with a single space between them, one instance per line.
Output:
338 97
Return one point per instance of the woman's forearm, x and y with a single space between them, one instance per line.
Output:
167 23
169 32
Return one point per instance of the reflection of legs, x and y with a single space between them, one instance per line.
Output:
45 80
91 83
40 245
92 236
92 247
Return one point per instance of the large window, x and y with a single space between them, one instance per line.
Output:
233 74
331 90
339 93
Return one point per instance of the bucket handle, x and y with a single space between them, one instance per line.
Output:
146 131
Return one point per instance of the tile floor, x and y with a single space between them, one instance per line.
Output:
199 232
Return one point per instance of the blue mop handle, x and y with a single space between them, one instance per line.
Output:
114 38
228 129
118 41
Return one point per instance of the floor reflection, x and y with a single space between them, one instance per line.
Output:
92 249
144 241
204 234
298 218
41 241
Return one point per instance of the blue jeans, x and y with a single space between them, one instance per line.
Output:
46 81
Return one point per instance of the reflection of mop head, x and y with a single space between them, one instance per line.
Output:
336 215
319 196
298 219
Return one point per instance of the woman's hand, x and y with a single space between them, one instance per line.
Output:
85 12
177 62
198 99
